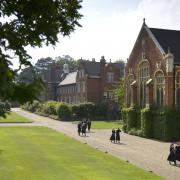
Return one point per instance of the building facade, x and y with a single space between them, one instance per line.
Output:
152 72
92 82
51 78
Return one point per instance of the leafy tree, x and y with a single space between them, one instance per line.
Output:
27 75
119 92
30 23
43 63
67 59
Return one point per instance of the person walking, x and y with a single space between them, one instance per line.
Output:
89 124
172 157
79 127
118 135
112 138
84 126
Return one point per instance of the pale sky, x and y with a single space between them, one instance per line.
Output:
110 28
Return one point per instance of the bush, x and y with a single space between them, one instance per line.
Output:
63 111
101 111
131 118
147 122
124 118
136 132
50 107
4 108
89 110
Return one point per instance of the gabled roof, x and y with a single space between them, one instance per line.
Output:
69 79
168 39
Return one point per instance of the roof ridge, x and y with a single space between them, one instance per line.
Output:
164 29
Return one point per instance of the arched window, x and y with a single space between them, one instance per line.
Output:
129 90
143 78
159 88
178 89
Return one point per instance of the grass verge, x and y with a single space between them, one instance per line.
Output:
38 153
14 118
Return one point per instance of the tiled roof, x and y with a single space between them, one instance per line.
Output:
92 68
168 39
69 79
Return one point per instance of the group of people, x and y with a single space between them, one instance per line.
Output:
174 154
83 125
115 136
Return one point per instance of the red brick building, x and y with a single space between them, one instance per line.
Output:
51 78
153 68
93 82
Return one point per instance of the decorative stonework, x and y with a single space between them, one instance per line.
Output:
169 62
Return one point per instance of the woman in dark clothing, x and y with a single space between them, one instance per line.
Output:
118 135
177 152
89 124
112 138
84 126
79 128
172 157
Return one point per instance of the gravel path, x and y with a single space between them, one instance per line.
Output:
148 154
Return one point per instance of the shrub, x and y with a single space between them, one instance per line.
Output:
147 122
101 111
124 118
50 107
4 108
136 132
86 110
63 111
131 118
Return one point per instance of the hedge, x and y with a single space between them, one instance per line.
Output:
63 111
147 122
131 118
162 124
77 111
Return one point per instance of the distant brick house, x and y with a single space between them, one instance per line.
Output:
51 78
92 82
152 72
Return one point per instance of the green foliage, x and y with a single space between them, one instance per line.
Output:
91 110
101 111
162 124
132 117
120 93
136 132
63 111
167 124
30 24
50 107
4 108
124 119
147 122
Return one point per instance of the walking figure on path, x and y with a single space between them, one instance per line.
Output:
89 124
118 135
172 157
112 138
84 126
79 126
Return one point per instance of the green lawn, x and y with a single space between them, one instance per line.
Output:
106 124
13 117
38 153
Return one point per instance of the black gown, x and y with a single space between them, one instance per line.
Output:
171 156
118 134
112 138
